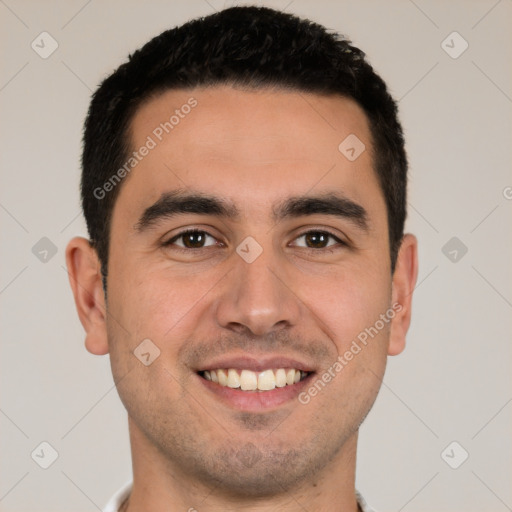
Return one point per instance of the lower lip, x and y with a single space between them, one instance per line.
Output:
255 401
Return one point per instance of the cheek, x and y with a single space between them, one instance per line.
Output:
160 305
161 313
350 302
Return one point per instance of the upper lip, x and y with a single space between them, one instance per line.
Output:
256 364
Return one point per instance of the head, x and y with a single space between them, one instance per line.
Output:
243 115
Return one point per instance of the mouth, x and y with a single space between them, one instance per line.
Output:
255 385
248 380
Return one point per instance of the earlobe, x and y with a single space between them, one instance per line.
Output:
85 280
404 281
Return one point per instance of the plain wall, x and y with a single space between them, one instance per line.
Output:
453 381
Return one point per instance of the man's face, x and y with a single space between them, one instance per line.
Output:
208 301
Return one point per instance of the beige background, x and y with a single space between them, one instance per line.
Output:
453 382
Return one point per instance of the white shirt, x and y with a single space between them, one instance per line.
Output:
120 496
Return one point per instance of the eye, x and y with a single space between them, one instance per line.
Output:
317 239
191 239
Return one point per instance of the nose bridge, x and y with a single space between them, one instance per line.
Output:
255 296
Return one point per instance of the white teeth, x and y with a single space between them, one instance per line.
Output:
280 378
233 378
266 380
247 380
221 376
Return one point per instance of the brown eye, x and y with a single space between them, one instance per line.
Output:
318 240
192 239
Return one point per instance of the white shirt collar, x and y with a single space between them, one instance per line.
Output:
120 496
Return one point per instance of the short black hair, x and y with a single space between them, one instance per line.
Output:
253 47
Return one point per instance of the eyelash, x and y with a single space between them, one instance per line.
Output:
328 249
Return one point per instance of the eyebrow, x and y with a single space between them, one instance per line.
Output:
179 202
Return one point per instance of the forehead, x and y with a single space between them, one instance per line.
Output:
248 116
251 145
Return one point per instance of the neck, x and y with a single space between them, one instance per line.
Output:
160 485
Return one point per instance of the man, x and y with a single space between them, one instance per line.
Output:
244 185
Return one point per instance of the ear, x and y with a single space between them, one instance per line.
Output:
404 281
85 279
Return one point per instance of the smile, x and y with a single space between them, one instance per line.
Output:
248 380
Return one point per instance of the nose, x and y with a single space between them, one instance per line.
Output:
258 297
